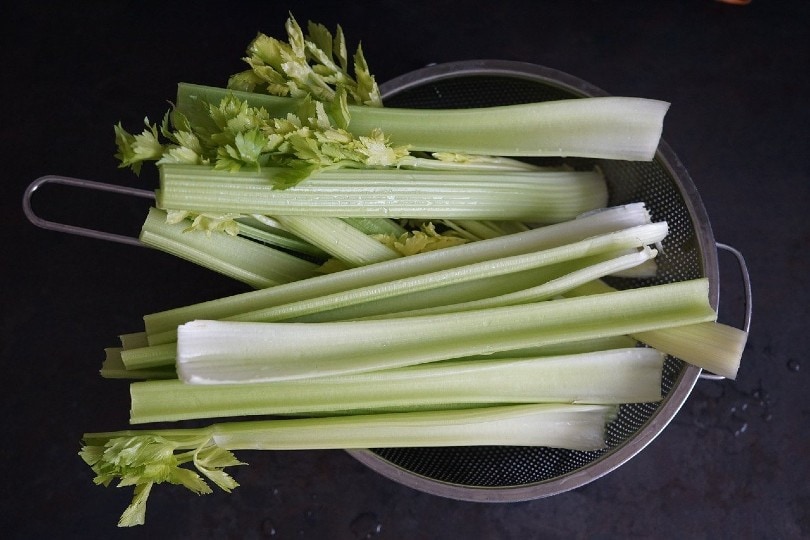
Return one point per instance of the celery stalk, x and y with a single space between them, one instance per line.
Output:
544 291
268 231
572 347
376 225
541 283
605 127
113 367
338 238
161 326
216 352
713 346
562 425
543 197
630 375
134 339
247 261
587 260
149 356
710 345
634 237
148 457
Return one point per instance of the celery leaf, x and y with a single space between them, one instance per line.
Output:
314 64
146 459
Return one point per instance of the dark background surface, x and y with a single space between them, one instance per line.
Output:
732 464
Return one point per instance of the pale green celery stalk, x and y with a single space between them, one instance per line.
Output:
150 356
161 326
247 261
134 339
163 354
157 361
159 357
634 237
113 368
468 163
573 426
376 226
215 352
479 229
314 310
710 345
461 231
571 347
338 238
648 269
631 375
542 197
600 267
713 346
268 231
464 291
512 227
475 283
623 128
143 458
484 229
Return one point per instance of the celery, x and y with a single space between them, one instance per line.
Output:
431 294
149 356
161 326
134 339
542 197
268 231
544 291
572 347
480 273
313 64
710 345
142 359
623 128
446 161
239 258
587 260
338 238
376 225
479 230
213 352
148 457
113 367
713 346
318 169
631 375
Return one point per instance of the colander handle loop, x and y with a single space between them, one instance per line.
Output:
746 279
83 184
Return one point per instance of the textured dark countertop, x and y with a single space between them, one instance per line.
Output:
732 464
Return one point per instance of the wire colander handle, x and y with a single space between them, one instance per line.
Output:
83 184
746 279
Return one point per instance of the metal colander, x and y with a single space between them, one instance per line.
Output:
504 474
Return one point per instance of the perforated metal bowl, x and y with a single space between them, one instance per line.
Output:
506 474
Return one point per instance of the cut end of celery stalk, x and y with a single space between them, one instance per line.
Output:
713 346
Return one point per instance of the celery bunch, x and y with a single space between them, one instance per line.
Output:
461 301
